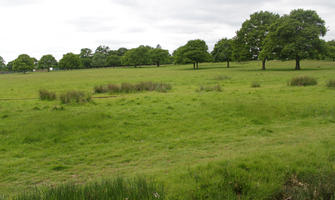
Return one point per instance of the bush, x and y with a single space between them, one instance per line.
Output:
75 97
303 81
112 88
331 84
100 89
139 87
255 85
216 88
47 95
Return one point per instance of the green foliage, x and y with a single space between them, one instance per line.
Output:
99 60
47 62
70 61
303 81
295 36
331 49
137 56
116 189
331 83
2 63
179 57
223 51
253 32
114 60
121 51
47 95
75 97
216 88
86 57
130 88
23 63
159 56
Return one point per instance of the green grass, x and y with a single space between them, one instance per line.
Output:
242 142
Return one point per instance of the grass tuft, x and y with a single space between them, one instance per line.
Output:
216 88
116 189
255 85
132 88
75 97
303 81
331 83
47 95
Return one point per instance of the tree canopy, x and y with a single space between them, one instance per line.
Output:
2 63
295 36
223 51
251 36
70 61
137 56
47 62
159 56
23 63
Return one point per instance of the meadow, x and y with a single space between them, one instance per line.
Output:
254 138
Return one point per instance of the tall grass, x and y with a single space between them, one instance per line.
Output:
75 97
303 81
47 95
216 88
331 83
113 189
132 88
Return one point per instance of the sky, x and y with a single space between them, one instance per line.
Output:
39 27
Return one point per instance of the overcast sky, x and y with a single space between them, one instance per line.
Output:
39 27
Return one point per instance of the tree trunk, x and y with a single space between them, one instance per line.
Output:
228 65
158 64
297 63
263 63
194 66
197 65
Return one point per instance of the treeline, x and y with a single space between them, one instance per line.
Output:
264 36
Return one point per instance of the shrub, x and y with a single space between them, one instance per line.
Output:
75 97
216 88
112 88
331 84
255 85
47 95
100 89
303 81
163 87
127 87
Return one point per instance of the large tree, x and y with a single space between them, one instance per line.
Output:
99 60
137 56
86 57
2 63
196 51
331 49
223 51
250 38
159 55
295 36
70 61
23 63
114 60
47 62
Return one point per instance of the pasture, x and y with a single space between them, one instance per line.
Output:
256 138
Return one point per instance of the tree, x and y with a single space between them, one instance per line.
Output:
114 60
137 56
99 60
47 62
86 57
223 51
252 34
70 61
10 65
179 57
159 55
331 49
295 36
23 63
2 63
121 51
103 49
196 51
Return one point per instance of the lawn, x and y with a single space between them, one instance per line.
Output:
242 142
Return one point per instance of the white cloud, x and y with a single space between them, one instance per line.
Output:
39 27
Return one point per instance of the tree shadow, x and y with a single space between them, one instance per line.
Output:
286 69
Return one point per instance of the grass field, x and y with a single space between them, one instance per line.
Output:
243 142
